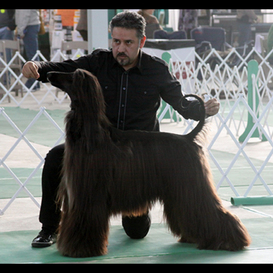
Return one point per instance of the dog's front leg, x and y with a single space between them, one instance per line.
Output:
84 232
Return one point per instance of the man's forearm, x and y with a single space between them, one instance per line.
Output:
45 67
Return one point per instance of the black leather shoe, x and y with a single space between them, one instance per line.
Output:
44 239
136 227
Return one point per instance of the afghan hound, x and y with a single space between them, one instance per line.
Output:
107 171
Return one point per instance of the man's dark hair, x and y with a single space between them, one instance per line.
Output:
129 20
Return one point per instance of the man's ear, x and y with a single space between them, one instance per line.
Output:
142 42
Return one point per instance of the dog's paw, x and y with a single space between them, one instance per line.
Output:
186 240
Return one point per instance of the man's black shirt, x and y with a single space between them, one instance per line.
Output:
132 97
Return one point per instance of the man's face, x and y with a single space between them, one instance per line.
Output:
126 46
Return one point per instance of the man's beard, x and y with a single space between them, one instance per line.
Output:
123 61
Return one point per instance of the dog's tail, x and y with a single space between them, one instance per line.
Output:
201 122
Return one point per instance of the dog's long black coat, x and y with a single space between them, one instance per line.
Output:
107 171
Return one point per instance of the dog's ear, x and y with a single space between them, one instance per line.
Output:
80 78
82 83
89 85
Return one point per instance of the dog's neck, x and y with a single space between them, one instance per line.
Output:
84 127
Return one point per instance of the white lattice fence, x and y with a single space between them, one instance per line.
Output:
18 81
22 137
228 84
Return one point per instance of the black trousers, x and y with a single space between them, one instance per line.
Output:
51 178
135 227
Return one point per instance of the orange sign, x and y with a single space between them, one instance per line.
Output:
67 16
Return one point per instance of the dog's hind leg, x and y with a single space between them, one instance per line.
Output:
218 229
205 222
194 212
176 217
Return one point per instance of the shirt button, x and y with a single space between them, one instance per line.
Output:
124 88
122 105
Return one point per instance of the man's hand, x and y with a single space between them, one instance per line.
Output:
212 107
30 70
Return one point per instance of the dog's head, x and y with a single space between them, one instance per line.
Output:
82 87
62 80
87 113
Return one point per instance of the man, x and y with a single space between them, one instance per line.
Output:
7 26
245 17
132 83
28 26
188 20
